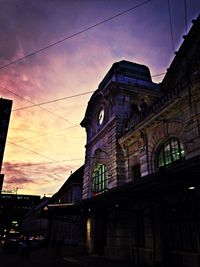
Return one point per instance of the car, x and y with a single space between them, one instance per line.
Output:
11 245
34 243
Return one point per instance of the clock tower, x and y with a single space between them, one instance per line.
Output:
108 114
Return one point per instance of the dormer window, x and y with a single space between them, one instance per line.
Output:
171 151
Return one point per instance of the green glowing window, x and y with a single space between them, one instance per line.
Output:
171 151
99 179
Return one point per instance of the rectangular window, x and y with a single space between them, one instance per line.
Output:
136 171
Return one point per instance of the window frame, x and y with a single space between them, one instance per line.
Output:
169 152
99 179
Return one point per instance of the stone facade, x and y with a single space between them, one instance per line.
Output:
146 138
124 87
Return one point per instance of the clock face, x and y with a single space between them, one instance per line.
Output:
101 116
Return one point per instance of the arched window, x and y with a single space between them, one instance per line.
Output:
171 151
99 179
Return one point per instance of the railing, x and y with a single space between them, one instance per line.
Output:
160 103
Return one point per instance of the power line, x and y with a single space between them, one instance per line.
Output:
49 162
42 133
45 134
31 151
170 22
58 130
52 101
58 116
34 152
185 13
64 98
68 97
73 35
159 74
25 130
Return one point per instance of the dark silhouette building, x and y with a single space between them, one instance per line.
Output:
13 208
5 110
141 182
57 218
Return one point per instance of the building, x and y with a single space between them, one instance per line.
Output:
140 181
141 176
1 181
13 208
57 218
35 222
65 221
5 110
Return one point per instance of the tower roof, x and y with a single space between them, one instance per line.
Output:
129 69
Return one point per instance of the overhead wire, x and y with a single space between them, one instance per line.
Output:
56 100
49 162
185 15
159 74
68 97
57 130
42 135
25 130
170 25
34 152
38 51
73 35
53 113
52 101
31 54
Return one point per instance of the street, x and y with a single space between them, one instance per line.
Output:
46 257
37 258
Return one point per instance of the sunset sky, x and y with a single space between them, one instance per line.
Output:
46 143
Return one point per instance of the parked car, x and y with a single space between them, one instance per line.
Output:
11 245
34 243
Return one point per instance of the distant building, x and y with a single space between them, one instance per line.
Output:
5 110
58 218
1 181
36 222
141 182
65 218
13 207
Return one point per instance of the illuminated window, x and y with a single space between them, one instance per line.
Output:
99 179
171 151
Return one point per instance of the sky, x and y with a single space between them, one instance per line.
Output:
45 143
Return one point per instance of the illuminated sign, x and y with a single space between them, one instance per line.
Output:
5 110
10 191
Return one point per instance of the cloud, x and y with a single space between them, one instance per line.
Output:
71 67
25 175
